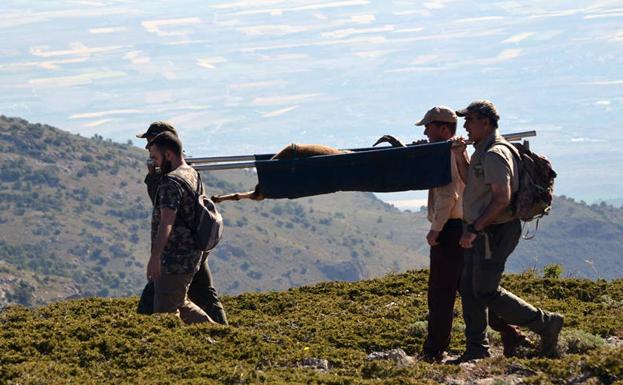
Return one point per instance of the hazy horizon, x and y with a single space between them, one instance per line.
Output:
252 76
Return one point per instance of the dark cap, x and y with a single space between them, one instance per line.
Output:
167 140
156 128
483 107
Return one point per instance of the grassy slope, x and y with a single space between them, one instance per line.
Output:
102 341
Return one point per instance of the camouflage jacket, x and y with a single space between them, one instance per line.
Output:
180 254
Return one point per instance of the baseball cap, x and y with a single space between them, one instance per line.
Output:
156 128
483 107
438 114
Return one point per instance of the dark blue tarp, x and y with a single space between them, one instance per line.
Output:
391 169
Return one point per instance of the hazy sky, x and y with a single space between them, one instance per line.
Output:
251 76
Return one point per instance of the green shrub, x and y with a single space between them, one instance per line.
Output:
573 341
419 329
552 271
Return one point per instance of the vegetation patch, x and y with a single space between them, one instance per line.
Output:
273 338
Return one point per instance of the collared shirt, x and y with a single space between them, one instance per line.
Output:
446 202
489 164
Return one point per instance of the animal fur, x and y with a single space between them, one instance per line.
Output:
291 151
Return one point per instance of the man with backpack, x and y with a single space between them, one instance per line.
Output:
201 290
445 213
175 257
491 233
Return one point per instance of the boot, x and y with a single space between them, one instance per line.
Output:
549 335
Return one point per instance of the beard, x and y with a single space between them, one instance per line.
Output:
166 167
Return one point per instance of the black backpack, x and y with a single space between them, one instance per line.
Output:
207 223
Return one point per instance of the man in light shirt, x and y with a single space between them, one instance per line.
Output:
445 212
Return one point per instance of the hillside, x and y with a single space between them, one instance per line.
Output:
74 219
75 216
586 239
311 335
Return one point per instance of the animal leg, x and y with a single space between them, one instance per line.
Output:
255 195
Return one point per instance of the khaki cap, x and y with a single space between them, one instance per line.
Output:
483 107
438 114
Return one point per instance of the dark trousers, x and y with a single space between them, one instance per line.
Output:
446 267
481 293
201 292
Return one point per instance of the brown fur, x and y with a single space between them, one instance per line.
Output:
289 152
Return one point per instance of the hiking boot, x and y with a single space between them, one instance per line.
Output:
512 341
432 357
549 335
470 356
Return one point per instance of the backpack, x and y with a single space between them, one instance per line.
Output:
207 224
533 199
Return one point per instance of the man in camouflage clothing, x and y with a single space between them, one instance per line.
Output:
201 291
174 257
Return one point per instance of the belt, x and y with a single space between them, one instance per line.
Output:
454 222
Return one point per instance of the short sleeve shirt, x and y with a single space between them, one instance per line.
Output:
153 181
489 164
180 255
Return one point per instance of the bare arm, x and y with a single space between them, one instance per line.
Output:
459 149
167 218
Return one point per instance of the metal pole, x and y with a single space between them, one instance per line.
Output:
512 137
519 135
222 166
220 161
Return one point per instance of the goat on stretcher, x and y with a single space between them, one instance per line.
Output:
289 152
294 151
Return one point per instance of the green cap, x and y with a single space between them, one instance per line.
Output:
156 128
483 107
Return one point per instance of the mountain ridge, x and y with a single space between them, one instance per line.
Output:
74 222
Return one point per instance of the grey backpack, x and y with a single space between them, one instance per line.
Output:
207 223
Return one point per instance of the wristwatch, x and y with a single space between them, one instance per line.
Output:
470 228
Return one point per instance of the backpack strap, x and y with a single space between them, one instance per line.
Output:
526 232
179 180
508 145
517 156
185 185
